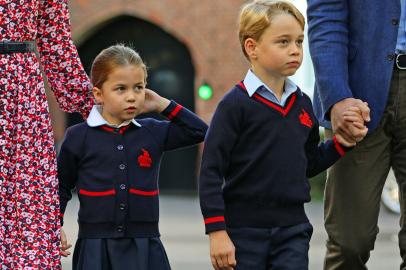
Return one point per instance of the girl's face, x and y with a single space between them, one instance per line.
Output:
122 95
279 51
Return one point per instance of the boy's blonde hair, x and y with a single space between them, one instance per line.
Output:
114 56
256 17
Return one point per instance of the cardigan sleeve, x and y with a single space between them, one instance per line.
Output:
184 129
220 139
60 60
68 165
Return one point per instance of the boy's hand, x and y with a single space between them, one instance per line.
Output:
64 244
222 251
343 141
357 127
154 102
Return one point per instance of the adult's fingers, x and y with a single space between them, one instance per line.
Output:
347 137
365 111
361 134
359 125
66 246
346 133
353 118
65 253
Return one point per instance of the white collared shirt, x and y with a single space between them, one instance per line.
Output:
95 119
254 84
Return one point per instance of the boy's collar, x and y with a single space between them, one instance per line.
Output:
252 83
95 119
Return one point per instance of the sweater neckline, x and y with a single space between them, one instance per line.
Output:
284 110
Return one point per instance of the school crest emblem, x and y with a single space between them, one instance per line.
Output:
305 119
144 160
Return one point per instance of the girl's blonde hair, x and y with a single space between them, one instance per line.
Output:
256 17
114 56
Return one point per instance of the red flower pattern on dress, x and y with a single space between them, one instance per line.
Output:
305 119
29 207
145 159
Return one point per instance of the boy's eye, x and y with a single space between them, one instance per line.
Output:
300 41
284 41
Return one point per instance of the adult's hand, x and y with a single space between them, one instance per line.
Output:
342 127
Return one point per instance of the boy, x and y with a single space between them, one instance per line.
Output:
261 146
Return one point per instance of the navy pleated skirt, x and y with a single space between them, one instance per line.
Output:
120 254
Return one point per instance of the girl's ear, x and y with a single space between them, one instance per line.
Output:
250 45
98 95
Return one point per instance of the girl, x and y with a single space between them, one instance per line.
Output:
113 161
29 225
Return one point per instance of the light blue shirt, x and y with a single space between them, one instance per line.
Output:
254 84
95 119
401 43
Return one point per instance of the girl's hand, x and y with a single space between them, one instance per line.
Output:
154 102
222 251
64 244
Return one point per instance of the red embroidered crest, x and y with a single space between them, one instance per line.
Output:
145 159
305 119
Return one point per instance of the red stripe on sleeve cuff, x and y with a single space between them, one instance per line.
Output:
175 112
213 220
338 147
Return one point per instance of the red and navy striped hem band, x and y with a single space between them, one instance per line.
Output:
175 111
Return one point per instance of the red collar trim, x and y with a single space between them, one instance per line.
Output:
283 110
113 130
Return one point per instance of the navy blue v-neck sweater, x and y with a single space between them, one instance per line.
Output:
257 159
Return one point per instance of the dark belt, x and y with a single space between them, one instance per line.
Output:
7 47
400 61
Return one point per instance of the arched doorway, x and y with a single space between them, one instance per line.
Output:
171 74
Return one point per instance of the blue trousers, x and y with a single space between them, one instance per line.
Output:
282 248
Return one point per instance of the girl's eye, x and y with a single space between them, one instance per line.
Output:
121 88
138 87
300 41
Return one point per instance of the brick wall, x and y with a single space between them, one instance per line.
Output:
207 27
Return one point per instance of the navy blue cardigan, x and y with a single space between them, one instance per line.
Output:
115 171
256 161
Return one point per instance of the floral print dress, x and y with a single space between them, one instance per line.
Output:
29 207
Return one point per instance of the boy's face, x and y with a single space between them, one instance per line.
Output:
279 51
122 95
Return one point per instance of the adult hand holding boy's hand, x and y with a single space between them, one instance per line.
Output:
357 128
344 129
222 251
154 102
